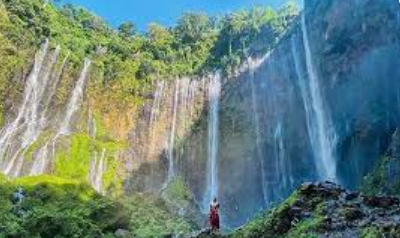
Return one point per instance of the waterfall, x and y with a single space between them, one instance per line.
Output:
284 170
253 65
75 100
92 130
157 102
319 128
96 171
184 99
32 117
17 136
52 91
42 159
214 94
171 166
40 164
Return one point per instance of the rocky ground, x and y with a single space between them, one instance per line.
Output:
326 210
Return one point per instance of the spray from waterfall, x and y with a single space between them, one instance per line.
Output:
214 94
319 127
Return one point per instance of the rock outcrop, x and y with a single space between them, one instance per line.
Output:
326 210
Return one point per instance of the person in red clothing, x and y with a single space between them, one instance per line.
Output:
214 216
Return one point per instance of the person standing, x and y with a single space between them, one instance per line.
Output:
214 216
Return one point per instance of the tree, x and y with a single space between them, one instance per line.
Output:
193 27
127 29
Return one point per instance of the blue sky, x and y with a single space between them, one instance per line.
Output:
165 12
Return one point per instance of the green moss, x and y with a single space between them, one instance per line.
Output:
371 232
74 163
76 152
59 186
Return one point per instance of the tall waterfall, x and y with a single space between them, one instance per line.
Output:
172 136
253 65
43 156
171 168
214 94
319 127
52 90
75 100
17 136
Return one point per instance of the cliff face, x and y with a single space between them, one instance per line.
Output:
322 105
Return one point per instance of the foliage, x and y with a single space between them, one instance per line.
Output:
150 217
177 191
58 207
128 60
374 183
55 207
269 224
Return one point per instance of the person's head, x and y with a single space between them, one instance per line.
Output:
215 200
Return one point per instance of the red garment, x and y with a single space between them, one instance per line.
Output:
214 218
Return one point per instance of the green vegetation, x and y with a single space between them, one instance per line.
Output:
279 223
377 182
177 191
55 207
65 208
126 62
371 232
150 217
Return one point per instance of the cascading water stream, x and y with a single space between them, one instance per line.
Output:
97 169
52 91
24 130
75 100
156 103
8 131
252 67
284 167
171 165
34 114
214 94
73 105
319 129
